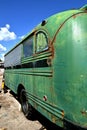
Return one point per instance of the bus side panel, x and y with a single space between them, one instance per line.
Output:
70 68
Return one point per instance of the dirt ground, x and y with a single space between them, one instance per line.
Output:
11 116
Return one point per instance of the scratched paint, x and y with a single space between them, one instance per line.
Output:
54 75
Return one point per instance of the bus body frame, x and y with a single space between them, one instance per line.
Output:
48 68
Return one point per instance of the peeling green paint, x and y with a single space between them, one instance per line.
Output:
56 78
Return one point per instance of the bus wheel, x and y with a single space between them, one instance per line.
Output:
26 107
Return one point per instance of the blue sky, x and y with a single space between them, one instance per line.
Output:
18 17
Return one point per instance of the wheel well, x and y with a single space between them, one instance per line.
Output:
20 87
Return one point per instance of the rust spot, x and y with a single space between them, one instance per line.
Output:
53 119
51 49
74 16
45 98
84 113
63 114
49 62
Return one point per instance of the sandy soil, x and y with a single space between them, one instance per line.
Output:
11 117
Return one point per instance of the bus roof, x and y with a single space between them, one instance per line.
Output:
56 19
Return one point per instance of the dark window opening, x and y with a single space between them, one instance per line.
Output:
28 47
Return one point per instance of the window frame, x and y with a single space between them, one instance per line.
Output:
47 41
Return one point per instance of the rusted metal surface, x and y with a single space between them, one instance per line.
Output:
54 74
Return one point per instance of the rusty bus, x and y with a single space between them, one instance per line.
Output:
48 69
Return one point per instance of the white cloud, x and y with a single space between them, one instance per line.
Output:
2 48
21 37
8 26
5 34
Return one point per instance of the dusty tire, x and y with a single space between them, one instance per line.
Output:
27 109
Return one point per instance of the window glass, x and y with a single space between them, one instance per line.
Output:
41 42
28 47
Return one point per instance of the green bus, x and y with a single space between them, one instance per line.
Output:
48 69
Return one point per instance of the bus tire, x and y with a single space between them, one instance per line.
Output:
27 109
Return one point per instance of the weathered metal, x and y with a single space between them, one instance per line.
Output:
55 75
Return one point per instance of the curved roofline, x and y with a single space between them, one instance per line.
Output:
72 13
64 23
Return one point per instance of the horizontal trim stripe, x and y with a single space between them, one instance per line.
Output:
48 107
29 72
36 57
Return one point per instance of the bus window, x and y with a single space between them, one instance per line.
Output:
41 41
28 47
